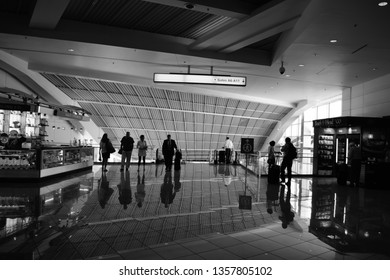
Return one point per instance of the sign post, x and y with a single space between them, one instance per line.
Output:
245 201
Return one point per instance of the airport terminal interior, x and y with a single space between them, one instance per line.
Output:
315 72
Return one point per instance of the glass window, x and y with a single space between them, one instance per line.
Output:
294 130
335 109
323 111
308 141
308 128
311 114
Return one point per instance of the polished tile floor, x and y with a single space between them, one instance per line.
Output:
202 212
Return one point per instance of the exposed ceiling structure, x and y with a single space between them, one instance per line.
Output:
197 122
103 53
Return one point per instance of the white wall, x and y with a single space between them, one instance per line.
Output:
370 99
60 129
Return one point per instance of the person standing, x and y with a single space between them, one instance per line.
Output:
271 153
354 158
168 149
104 154
142 148
127 144
228 149
289 154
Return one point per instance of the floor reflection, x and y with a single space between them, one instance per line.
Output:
93 214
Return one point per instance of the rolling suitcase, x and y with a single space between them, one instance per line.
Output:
221 157
274 174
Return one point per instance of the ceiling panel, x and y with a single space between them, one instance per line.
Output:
200 119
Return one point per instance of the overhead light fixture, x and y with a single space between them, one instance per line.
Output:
70 50
333 41
301 65
382 4
218 80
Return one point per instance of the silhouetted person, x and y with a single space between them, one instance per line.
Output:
271 153
285 206
142 148
167 193
178 157
289 154
228 150
168 149
124 190
127 144
104 154
140 194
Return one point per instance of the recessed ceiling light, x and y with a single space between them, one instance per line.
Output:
333 41
70 50
287 75
382 4
301 65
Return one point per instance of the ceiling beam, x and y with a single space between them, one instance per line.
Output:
264 22
47 13
225 8
269 32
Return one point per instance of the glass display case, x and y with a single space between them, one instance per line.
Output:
45 162
52 158
18 159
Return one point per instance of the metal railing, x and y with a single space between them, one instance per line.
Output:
257 162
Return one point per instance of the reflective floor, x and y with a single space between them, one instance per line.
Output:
200 212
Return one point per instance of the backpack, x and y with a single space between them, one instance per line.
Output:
293 152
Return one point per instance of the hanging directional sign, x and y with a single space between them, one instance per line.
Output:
247 145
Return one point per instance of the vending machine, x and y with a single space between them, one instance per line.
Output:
332 139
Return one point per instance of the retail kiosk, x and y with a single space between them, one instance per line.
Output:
332 137
25 152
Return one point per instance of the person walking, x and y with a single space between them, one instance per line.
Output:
168 149
127 144
142 148
289 154
104 154
228 150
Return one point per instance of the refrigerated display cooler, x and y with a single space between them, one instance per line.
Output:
332 137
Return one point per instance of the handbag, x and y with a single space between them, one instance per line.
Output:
120 151
110 147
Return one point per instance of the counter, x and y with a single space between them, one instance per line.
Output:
44 162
